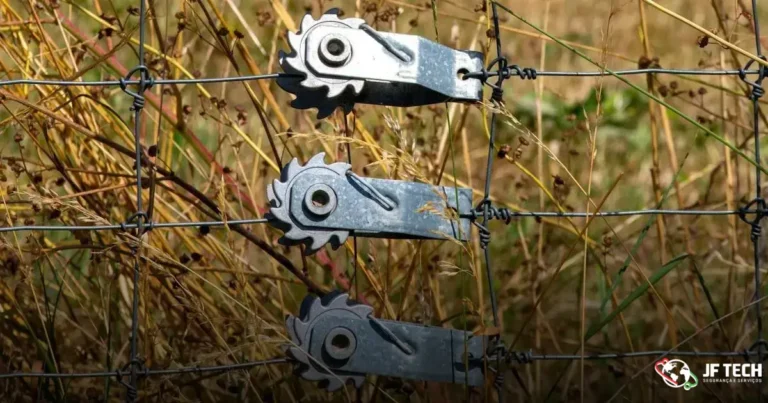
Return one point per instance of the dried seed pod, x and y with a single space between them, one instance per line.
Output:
503 151
644 62
703 41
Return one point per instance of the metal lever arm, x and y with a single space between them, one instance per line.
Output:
432 75
320 203
417 210
341 62
337 341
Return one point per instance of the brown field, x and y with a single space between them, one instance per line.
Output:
219 295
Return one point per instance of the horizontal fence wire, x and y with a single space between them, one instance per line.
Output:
152 82
641 354
624 213
127 226
142 223
606 73
149 372
528 357
520 214
216 80
503 70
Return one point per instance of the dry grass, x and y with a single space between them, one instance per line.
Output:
219 295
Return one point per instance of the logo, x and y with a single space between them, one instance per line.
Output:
676 374
733 373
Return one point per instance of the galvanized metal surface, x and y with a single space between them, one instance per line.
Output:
345 61
419 209
320 203
279 198
337 342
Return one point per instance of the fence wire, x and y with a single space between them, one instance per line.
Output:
141 222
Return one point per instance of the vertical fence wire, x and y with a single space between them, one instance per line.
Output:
145 83
759 202
752 214
497 97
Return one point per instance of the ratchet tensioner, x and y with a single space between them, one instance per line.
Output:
335 341
339 62
318 203
336 63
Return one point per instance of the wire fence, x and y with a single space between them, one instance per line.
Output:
141 221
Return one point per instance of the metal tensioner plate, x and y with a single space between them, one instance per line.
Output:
380 207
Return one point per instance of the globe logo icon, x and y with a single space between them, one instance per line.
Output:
676 374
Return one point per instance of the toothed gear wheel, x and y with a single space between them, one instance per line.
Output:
313 309
325 94
279 195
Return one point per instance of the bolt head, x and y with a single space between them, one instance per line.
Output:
335 50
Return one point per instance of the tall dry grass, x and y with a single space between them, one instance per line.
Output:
219 295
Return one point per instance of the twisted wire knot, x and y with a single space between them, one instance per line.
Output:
757 92
146 81
760 345
147 223
499 350
483 231
494 213
134 367
498 380
759 205
525 73
757 86
482 75
137 365
131 393
500 63
485 238
522 357
503 72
